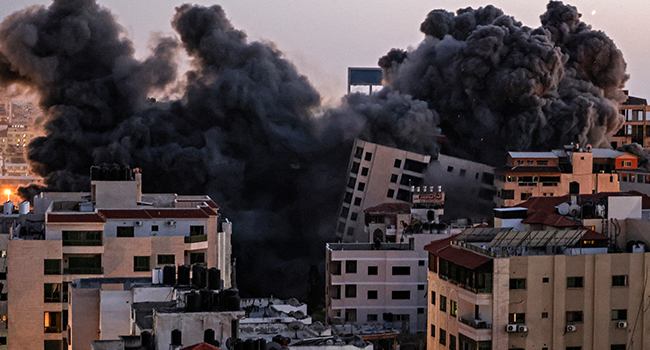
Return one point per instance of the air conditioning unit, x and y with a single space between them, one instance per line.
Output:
621 324
170 223
511 328
137 223
522 329
571 328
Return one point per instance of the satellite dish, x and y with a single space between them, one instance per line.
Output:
296 326
563 208
574 209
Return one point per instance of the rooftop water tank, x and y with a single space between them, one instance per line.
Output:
156 276
23 208
8 207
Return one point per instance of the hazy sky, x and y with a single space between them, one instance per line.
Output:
323 38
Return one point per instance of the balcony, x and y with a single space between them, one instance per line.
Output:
84 271
82 243
476 324
476 330
196 238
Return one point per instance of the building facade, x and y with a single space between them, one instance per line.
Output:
636 129
114 231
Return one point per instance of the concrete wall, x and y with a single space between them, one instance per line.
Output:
115 310
84 317
192 325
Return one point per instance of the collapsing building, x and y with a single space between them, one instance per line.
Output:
378 174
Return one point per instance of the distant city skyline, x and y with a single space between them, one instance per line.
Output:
324 38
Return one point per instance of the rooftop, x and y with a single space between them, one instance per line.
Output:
532 155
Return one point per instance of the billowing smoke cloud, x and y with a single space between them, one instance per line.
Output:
499 86
244 130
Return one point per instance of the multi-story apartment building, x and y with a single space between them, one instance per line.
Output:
499 288
378 174
541 174
113 231
384 282
636 129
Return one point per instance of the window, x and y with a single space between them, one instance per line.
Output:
517 283
372 294
433 298
372 270
401 294
573 317
525 196
364 171
196 230
52 266
420 311
393 178
433 331
140 263
351 182
84 265
372 318
358 152
619 315
627 163
351 266
403 195
197 258
398 163
401 270
350 231
154 228
452 342
443 303
350 290
357 201
450 169
619 281
420 286
618 347
421 262
453 308
52 322
64 298
368 156
340 228
542 162
545 280
53 345
3 340
125 231
355 168
573 348
354 216
574 282
462 172
544 314
443 337
344 212
391 193
52 292
166 259
82 238
508 194
519 318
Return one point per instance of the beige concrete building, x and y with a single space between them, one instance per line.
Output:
114 231
636 129
542 174
498 288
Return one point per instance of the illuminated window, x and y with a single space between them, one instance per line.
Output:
52 322
517 318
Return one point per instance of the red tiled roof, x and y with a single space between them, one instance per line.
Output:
593 235
462 257
202 346
389 208
124 214
72 218
549 219
177 213
434 246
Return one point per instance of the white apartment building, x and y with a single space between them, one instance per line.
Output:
115 231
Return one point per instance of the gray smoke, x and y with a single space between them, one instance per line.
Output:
499 86
244 130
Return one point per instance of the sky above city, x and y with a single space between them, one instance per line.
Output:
323 38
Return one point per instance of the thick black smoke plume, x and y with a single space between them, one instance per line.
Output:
243 132
500 86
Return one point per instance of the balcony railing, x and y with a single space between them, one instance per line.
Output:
196 238
476 324
82 242
84 271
